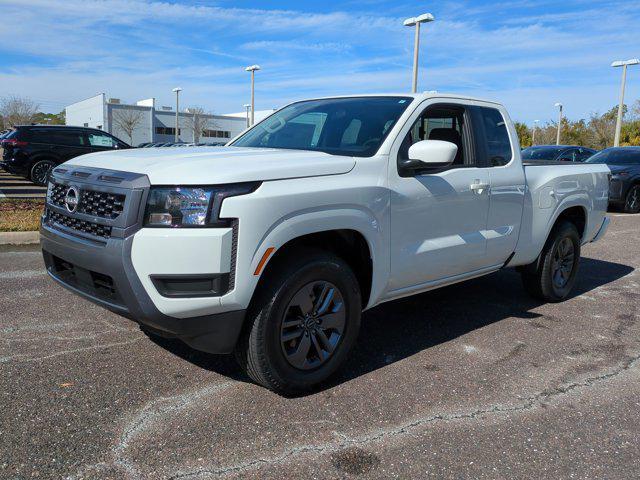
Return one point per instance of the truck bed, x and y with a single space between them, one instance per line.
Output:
553 187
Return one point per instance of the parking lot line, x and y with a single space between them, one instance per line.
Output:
12 186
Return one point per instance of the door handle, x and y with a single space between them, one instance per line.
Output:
478 187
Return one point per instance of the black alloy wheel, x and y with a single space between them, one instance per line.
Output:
313 325
562 262
303 321
552 276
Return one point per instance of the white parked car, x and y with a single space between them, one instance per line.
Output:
273 246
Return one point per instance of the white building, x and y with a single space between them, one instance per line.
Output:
147 123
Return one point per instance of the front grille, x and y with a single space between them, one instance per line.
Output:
91 202
78 225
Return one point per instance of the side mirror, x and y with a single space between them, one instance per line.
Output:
430 154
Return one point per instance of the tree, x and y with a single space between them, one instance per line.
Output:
524 134
50 118
198 121
546 135
630 135
128 121
597 132
17 110
603 129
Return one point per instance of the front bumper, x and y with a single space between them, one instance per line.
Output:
114 263
105 276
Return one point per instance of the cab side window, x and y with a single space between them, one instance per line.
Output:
442 122
494 135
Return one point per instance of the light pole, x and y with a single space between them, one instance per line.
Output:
253 69
416 21
535 127
247 106
177 90
624 64
559 105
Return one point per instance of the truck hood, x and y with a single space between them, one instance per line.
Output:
216 165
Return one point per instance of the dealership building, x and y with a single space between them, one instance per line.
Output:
149 123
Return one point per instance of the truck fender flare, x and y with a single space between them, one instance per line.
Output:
316 220
567 203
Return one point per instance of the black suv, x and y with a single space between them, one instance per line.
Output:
624 188
33 150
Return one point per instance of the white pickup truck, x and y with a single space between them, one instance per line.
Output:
272 246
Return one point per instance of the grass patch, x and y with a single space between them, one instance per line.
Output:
20 215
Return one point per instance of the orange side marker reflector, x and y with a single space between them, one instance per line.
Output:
263 260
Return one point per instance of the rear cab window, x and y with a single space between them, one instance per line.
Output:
492 136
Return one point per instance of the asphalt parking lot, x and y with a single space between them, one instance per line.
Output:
472 381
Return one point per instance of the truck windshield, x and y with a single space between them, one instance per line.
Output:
617 156
354 126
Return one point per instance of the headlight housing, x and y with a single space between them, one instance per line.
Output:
191 206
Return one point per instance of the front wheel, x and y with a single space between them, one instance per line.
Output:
632 203
552 276
40 171
303 323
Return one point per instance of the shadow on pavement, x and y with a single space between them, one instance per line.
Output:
396 330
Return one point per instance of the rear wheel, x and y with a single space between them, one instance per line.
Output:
553 275
303 323
632 204
40 171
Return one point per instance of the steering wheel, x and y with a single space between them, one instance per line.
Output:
371 142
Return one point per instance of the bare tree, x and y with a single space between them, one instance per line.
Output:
603 128
198 120
546 135
17 110
128 120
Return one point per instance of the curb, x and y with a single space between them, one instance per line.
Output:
19 238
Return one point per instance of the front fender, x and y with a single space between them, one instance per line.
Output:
338 217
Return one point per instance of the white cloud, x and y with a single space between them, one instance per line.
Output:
523 52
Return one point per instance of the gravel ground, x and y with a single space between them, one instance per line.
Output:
472 381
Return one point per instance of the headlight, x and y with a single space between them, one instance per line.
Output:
190 206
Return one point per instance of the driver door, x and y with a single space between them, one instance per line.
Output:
437 217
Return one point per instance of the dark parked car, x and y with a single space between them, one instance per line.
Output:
624 189
33 150
557 153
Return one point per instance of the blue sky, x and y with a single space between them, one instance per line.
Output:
527 54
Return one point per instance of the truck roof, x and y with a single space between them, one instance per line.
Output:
419 96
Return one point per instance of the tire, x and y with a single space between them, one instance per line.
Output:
552 276
632 202
39 173
272 352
